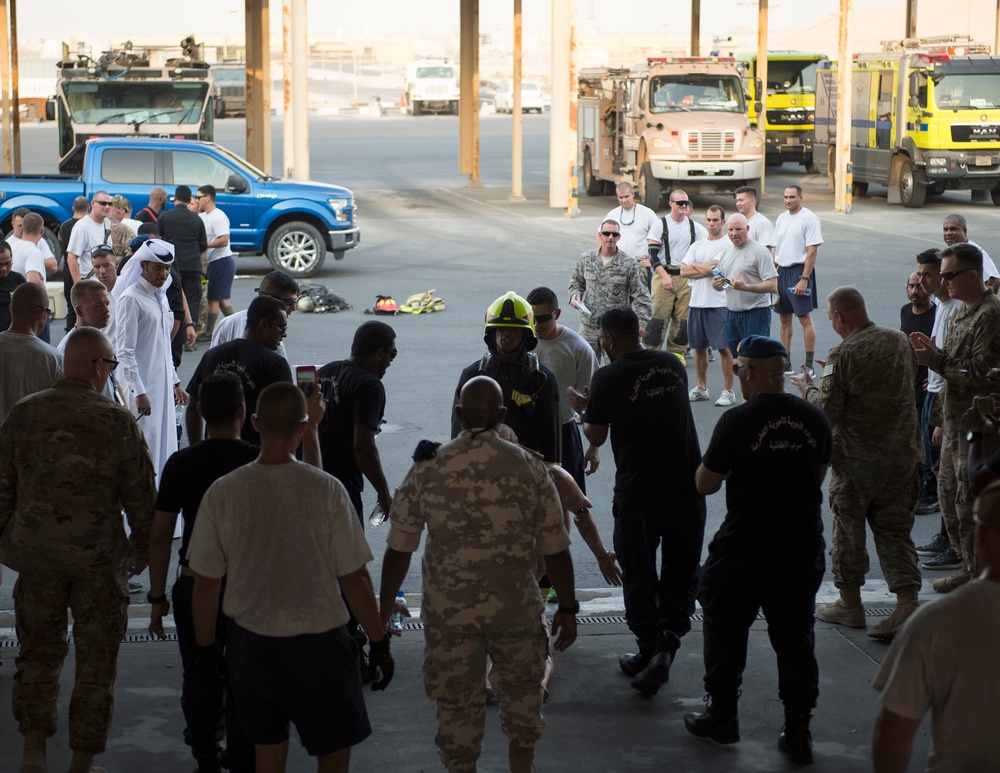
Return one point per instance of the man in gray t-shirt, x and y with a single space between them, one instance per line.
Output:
747 274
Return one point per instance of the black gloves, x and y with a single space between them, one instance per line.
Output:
380 659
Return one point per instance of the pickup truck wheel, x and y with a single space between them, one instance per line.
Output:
297 248
912 185
414 108
995 195
649 187
53 241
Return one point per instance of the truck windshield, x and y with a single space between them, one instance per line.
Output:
124 102
435 72
977 91
696 92
791 77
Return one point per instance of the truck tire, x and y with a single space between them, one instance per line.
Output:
995 195
649 187
414 108
54 245
912 185
297 248
593 185
858 190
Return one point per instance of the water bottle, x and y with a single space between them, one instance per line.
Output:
397 620
179 414
378 516
791 291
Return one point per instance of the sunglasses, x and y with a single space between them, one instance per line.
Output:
282 328
737 366
112 363
48 311
102 203
610 233
681 203
100 249
950 275
290 303
392 353
543 318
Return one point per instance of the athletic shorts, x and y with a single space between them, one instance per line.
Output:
790 303
707 328
311 680
740 324
220 274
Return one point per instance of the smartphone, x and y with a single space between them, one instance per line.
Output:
987 405
305 377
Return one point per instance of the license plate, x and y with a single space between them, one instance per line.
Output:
793 141
984 161
710 169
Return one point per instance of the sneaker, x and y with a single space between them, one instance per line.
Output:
789 371
135 587
946 559
697 394
726 399
937 545
927 506
711 354
681 358
948 584
811 372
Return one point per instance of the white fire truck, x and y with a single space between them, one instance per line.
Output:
667 123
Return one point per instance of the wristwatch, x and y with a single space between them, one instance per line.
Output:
972 436
157 600
190 324
573 610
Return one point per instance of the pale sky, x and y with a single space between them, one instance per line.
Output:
64 19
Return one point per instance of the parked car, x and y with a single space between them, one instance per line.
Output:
487 91
532 98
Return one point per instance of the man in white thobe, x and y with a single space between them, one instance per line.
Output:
143 322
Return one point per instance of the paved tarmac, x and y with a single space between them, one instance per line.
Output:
594 720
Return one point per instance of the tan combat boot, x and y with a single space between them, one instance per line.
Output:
847 610
906 605
957 580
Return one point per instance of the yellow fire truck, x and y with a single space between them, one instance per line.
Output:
666 123
925 119
791 103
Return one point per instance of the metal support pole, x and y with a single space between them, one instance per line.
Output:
996 33
4 86
300 89
15 112
842 178
468 112
695 27
517 120
911 19
287 146
258 40
762 10
562 126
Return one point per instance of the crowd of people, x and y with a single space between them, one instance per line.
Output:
274 615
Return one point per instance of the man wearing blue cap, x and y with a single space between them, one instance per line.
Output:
766 557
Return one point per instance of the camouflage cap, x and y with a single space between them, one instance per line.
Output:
122 202
986 508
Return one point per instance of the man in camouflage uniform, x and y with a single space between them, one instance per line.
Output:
971 349
867 394
71 459
606 278
488 505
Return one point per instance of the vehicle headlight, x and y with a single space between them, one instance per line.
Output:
339 207
811 118
937 161
753 142
662 142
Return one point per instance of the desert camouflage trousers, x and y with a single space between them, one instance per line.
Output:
884 499
455 678
100 617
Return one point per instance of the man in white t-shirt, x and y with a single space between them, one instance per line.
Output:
640 227
88 233
221 264
707 311
761 229
670 292
956 231
944 661
17 233
289 655
29 260
797 237
276 284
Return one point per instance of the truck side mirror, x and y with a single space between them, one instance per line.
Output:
50 110
758 87
913 102
757 106
236 184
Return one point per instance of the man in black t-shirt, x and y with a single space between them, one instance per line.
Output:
186 231
187 475
768 553
355 405
917 316
643 397
253 358
9 281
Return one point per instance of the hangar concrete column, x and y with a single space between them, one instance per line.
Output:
562 125
843 177
258 40
468 111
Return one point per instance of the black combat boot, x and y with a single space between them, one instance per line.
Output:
633 663
657 671
927 501
719 722
795 739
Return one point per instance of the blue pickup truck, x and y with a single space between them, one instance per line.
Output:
294 222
